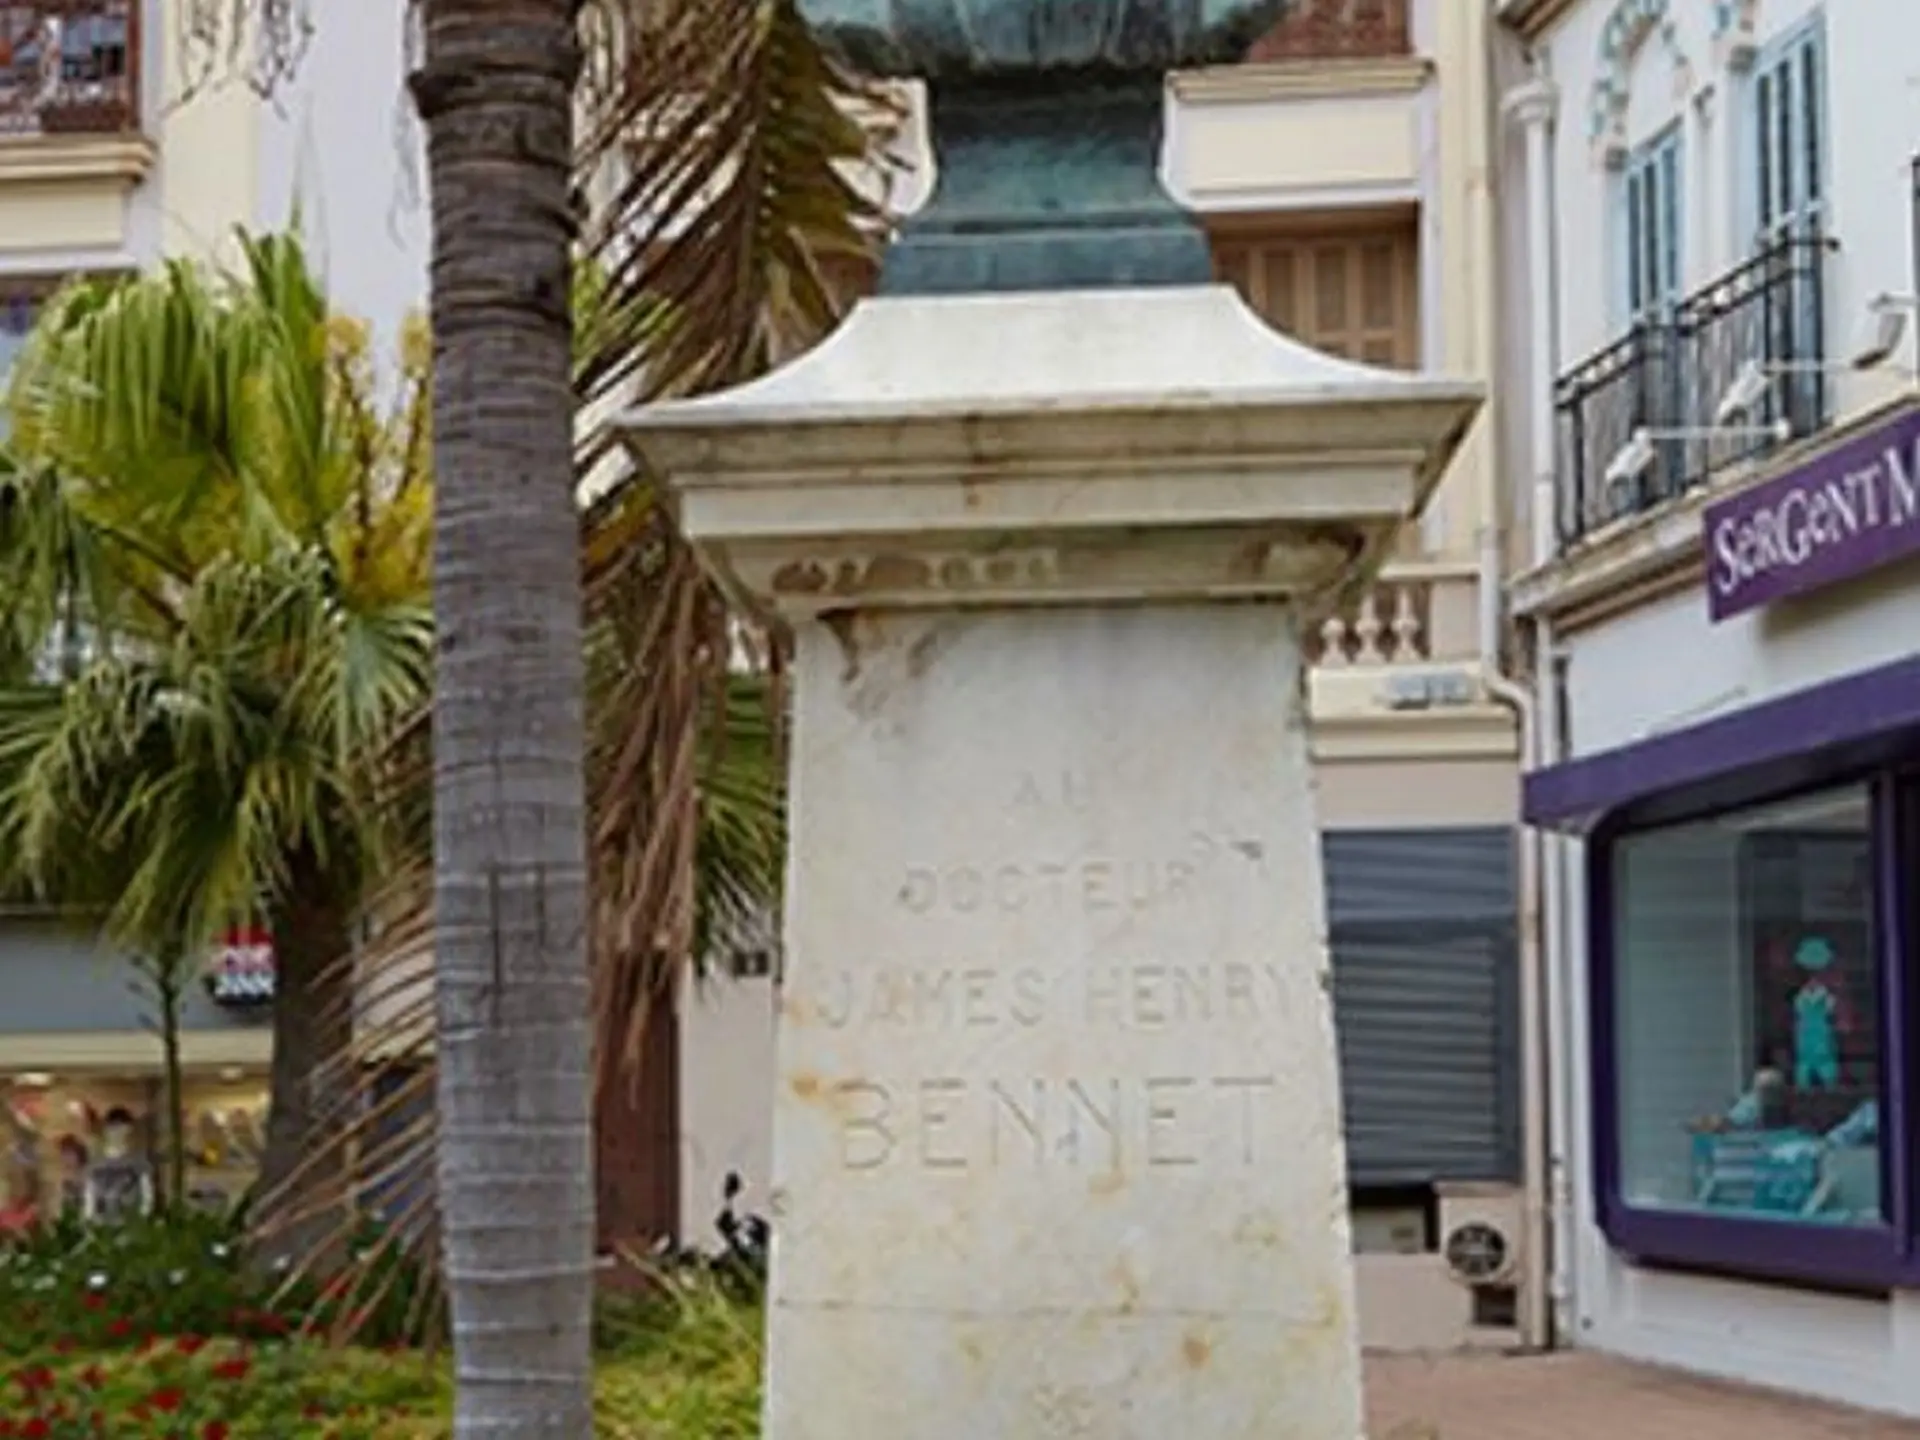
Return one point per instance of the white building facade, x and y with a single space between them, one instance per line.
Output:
1709 306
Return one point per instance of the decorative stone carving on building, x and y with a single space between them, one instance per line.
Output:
1631 24
1735 39
862 575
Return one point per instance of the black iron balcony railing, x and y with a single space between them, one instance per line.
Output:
1757 332
68 67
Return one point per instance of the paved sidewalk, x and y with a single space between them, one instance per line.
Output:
1589 1397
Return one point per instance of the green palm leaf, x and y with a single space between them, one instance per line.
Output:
204 491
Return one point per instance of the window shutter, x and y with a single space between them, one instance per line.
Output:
1354 293
1788 120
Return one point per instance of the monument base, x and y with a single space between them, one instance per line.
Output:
1057 1148
1057 1140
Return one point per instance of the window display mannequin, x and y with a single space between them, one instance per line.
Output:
73 1157
118 1183
20 1195
1816 1030
242 1129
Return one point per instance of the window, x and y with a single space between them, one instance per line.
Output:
19 303
1787 124
1652 244
1353 293
66 67
18 306
85 1143
1747 1016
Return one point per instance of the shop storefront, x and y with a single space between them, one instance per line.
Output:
1742 937
81 1109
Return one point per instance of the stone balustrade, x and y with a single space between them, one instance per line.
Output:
1417 612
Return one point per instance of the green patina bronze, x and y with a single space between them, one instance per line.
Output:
1047 123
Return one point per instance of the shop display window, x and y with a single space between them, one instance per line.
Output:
1747 1028
1751 974
88 1146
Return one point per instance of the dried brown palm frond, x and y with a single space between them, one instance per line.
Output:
736 174
682 760
737 169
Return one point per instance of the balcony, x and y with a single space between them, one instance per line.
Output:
1670 377
1416 613
67 67
1396 670
1325 114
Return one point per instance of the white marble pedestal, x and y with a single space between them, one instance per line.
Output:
1057 1145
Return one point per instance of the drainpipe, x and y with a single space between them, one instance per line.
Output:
1557 996
1542 1040
1535 1308
1536 1311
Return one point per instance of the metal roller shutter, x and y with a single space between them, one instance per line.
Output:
1425 969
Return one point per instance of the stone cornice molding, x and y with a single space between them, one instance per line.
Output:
1053 448
1532 103
44 159
1302 80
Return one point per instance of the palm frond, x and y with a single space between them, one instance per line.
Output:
205 485
741 171
738 169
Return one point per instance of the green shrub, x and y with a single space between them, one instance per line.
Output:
680 1364
74 1286
226 1390
71 1285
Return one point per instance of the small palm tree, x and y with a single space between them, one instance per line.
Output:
227 543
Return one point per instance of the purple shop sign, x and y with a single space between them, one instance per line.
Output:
1853 509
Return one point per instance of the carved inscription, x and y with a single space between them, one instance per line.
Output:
1110 1125
930 1109
1092 886
1061 884
1146 996
1065 789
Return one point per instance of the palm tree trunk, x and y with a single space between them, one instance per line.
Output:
303 1174
516 1183
168 976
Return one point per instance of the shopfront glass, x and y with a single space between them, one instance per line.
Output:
87 1145
1746 1015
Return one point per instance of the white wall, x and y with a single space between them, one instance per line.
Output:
343 146
1663 665
1624 683
726 1098
1514 304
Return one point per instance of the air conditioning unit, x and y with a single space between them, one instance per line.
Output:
1481 1234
